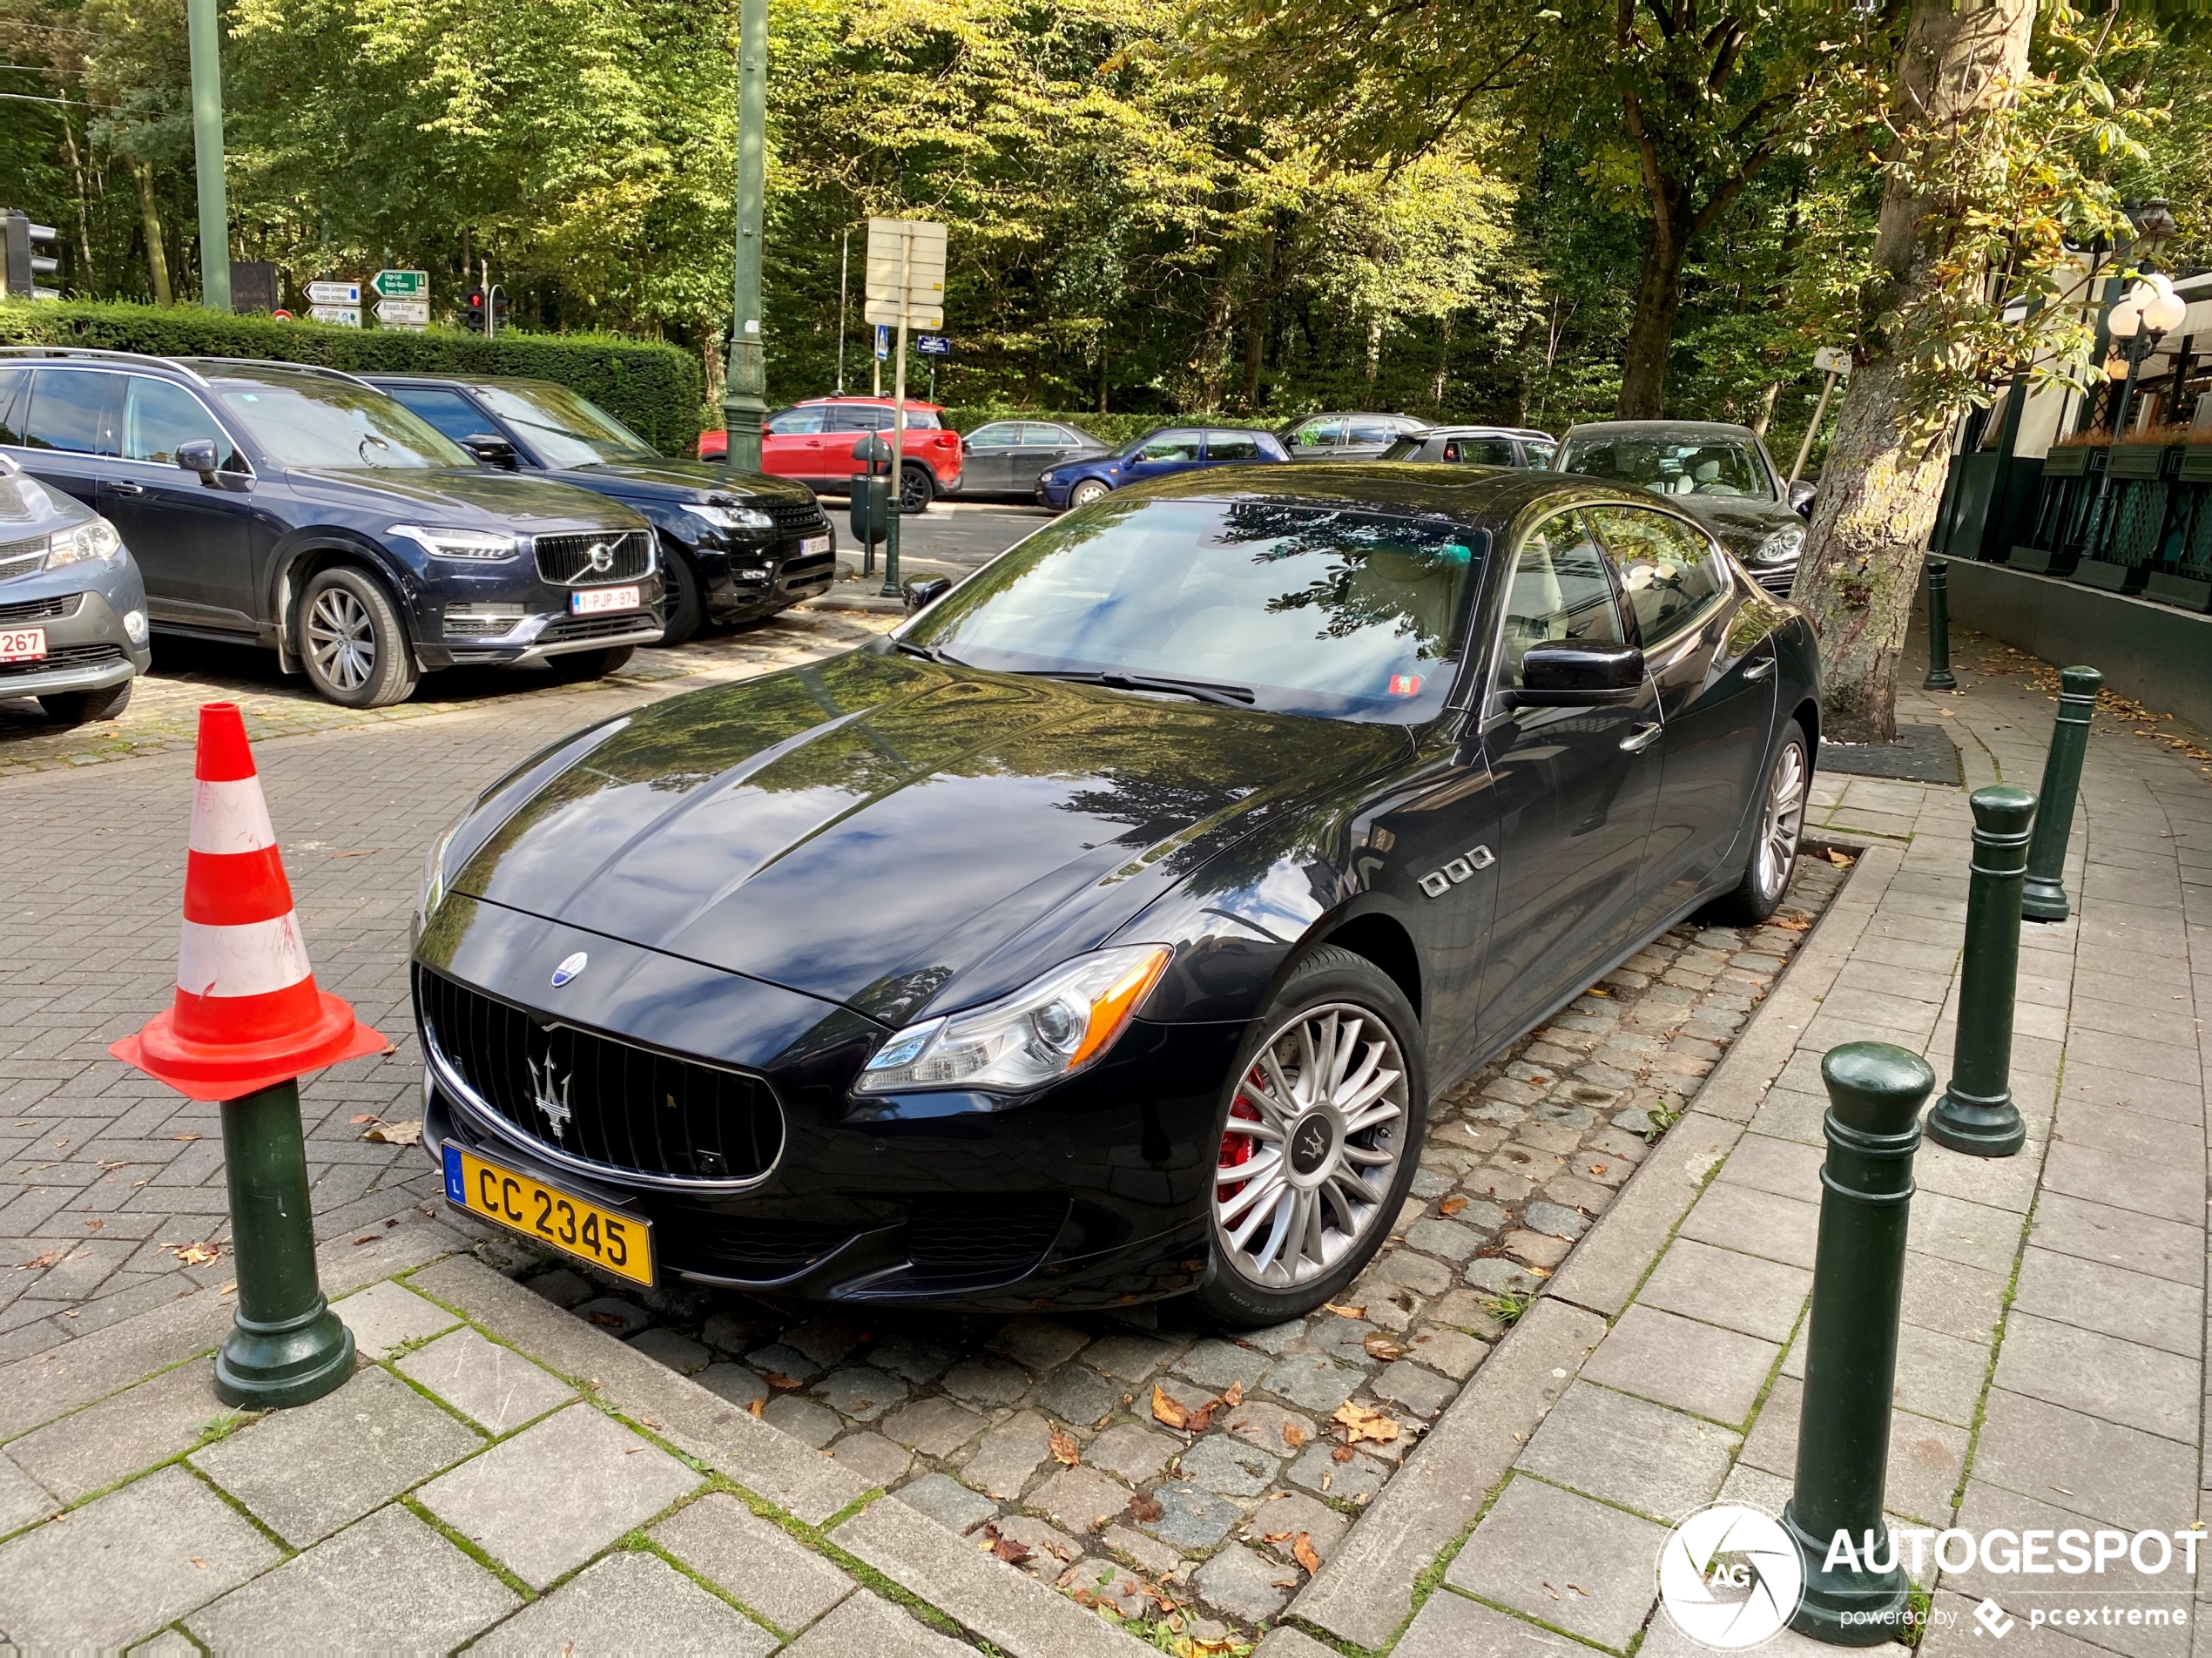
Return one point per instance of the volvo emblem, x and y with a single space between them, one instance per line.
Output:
600 557
570 966
550 1093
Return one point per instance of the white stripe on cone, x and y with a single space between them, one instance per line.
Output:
249 959
230 817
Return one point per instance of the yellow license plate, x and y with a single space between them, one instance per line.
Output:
622 1244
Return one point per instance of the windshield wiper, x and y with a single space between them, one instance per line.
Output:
1200 690
928 653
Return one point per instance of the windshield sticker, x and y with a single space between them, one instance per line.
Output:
1404 685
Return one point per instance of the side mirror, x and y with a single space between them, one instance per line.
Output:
198 455
1579 675
1800 497
923 594
490 450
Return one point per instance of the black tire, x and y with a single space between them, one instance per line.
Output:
1777 833
686 600
77 707
1089 490
916 489
577 666
1237 1291
351 641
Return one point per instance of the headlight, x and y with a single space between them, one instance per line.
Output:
1786 543
732 517
457 543
1052 1027
433 890
93 539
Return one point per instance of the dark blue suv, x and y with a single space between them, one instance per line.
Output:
302 510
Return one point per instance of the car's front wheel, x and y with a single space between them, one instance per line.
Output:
1780 822
1320 1138
1086 492
686 599
351 641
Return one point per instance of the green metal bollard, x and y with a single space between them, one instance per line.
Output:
1976 1114
1939 677
286 1345
1875 1092
2045 897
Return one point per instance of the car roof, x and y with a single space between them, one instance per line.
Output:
862 403
1486 496
1487 431
1346 414
1689 431
457 380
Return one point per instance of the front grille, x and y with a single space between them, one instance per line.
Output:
575 560
757 1251
805 575
1776 581
972 1236
596 627
796 519
21 558
62 605
622 1107
64 656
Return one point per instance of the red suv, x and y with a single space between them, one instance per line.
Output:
814 442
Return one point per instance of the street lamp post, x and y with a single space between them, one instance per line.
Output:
744 399
2139 321
204 34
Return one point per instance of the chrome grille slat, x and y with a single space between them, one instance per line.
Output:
62 605
565 561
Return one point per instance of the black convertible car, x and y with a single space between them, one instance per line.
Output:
1102 934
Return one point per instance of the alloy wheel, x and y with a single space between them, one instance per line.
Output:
342 639
1311 1148
1087 492
1784 820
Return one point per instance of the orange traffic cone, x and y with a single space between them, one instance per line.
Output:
247 1015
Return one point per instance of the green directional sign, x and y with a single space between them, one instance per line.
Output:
401 285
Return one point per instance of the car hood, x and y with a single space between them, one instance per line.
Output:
1742 523
680 481
465 497
891 834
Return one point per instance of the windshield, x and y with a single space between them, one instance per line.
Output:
336 423
566 429
1348 614
1671 466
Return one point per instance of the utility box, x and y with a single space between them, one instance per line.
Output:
872 492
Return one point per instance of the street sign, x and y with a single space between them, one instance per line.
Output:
347 316
320 293
403 314
401 285
1830 360
883 342
933 344
280 316
906 272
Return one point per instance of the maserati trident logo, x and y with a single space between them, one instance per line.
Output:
570 966
601 558
1309 1145
550 1093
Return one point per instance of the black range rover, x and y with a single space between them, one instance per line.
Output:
736 546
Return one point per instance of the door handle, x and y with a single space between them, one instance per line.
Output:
1760 669
1641 737
127 487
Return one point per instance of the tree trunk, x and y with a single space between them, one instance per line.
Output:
1374 348
1443 365
1651 330
150 217
1256 321
1766 407
1884 476
1102 372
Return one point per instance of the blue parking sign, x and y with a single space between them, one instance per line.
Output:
883 342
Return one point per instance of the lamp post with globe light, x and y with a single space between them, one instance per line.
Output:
2138 319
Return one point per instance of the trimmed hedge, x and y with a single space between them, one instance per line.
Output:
1107 428
654 389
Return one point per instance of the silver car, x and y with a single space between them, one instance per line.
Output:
72 608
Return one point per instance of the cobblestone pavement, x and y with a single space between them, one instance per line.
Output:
111 1186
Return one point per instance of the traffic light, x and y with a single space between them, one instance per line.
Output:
499 307
472 312
24 265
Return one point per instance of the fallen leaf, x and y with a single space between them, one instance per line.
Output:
1293 1435
229 1289
1011 1552
1342 1454
1381 1346
1064 1448
753 1409
1234 1394
1286 1583
408 1133
197 1254
773 1377
366 1116
1171 1411
42 1261
1327 1474
1307 1555
1345 1312
369 1238
187 1137
615 1321
201 1564
1275 1537
1360 1423
1452 1205
1842 859
1145 1509
1201 1419
1084 1598
94 1226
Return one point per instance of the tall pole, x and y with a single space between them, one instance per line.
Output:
844 260
205 31
890 588
745 400
1820 408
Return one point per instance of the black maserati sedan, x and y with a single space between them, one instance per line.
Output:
1101 933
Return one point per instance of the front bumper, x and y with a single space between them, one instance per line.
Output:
86 646
744 579
1091 1194
534 619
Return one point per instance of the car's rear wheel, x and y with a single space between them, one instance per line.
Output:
1320 1138
916 488
686 602
351 641
1086 492
576 666
77 707
1780 823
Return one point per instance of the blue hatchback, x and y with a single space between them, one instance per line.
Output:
1156 455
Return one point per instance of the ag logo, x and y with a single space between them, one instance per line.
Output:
1729 1577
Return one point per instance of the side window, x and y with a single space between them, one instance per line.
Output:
1171 446
1232 446
73 410
1480 451
1372 429
159 415
1002 434
1559 591
1316 434
848 417
1669 571
15 385
795 422
918 420
1037 436
447 410
1539 454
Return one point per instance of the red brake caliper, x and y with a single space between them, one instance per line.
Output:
1238 1148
